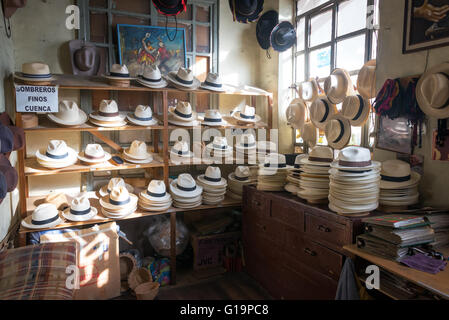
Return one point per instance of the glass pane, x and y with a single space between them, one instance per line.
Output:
306 5
300 34
202 39
202 13
188 32
351 16
374 46
142 7
322 138
321 28
351 53
300 70
98 27
356 136
320 62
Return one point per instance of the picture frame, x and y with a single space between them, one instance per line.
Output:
394 135
424 26
140 45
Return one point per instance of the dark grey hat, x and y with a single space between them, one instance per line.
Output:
87 59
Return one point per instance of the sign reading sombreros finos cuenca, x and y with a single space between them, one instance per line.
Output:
36 98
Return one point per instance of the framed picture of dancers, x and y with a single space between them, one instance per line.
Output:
140 46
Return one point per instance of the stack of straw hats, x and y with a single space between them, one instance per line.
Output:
236 180
114 182
180 152
219 148
398 185
272 173
155 198
246 146
314 182
214 186
185 192
182 115
137 153
108 115
119 203
264 148
293 176
119 76
57 155
354 182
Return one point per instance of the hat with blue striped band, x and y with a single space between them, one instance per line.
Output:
142 116
247 114
119 72
44 216
213 83
183 79
182 112
181 149
212 177
156 193
119 201
185 187
152 77
57 155
213 118
35 72
80 210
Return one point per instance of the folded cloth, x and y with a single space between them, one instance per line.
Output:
424 263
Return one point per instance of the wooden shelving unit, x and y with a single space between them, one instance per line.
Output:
29 167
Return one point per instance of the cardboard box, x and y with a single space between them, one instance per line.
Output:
208 250
97 260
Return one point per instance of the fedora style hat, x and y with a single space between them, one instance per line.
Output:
44 216
396 174
170 7
156 192
94 154
246 141
319 156
118 72
152 77
185 187
240 175
213 83
245 11
283 36
321 111
137 153
275 161
366 80
35 72
219 144
248 115
432 91
355 159
356 109
338 85
10 7
213 118
183 79
119 203
108 113
114 182
296 114
266 147
69 114
181 149
80 210
309 133
338 131
212 177
57 155
86 58
265 25
308 90
182 112
142 116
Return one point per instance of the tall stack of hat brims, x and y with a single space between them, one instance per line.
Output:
185 192
114 182
398 185
69 114
354 182
237 179
272 173
119 203
293 175
137 153
314 182
218 149
57 155
214 186
119 76
182 115
108 115
155 198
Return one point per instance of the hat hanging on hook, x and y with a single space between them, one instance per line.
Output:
170 8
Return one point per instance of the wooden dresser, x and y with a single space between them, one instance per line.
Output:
293 249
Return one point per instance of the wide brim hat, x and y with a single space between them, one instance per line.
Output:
243 17
366 80
205 86
82 157
343 140
283 36
238 117
81 119
414 179
184 194
306 161
265 25
104 189
144 123
213 124
27 223
146 156
167 10
120 118
171 111
57 163
363 113
349 90
332 110
108 124
153 85
85 217
176 122
309 134
171 77
296 114
95 66
156 200
106 204
220 183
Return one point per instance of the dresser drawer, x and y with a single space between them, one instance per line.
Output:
257 204
320 229
288 213
267 230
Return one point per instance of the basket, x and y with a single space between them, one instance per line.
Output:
147 291
127 264
139 276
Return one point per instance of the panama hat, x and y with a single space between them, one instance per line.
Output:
118 72
213 118
69 114
94 153
181 149
355 159
338 85
275 161
265 25
152 77
319 156
183 79
114 182
156 192
296 114
240 175
219 144
185 187
309 134
35 72
366 80
397 174
137 153
142 116
108 112
182 112
432 91
283 36
245 11
174 121
246 141
119 203
247 115
170 7
80 210
338 131
212 177
321 110
57 155
298 162
308 90
356 109
44 216
213 83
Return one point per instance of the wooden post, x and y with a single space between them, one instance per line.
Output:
165 136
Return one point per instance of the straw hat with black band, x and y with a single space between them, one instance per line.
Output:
321 111
356 109
35 73
296 114
338 131
396 174
366 80
183 79
338 85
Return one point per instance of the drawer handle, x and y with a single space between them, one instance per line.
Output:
310 252
324 228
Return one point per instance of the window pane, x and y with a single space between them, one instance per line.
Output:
322 138
300 72
320 62
298 137
321 28
356 136
301 29
351 16
202 39
98 27
306 5
202 13
351 53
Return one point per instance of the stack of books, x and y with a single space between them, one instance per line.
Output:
440 224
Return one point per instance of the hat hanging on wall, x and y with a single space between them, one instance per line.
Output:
366 80
170 8
265 25
86 58
283 36
9 7
245 11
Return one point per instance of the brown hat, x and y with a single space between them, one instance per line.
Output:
87 59
10 6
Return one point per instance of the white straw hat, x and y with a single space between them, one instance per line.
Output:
355 159
142 116
338 131
319 156
114 182
397 174
44 216
185 187
356 109
212 177
366 80
240 175
35 72
213 83
321 111
57 155
69 114
213 118
138 151
119 199
119 72
183 79
108 112
80 210
152 77
308 90
296 114
246 141
156 192
182 111
94 153
219 144
338 85
181 149
275 161
309 134
248 114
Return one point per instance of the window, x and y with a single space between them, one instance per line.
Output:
335 34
